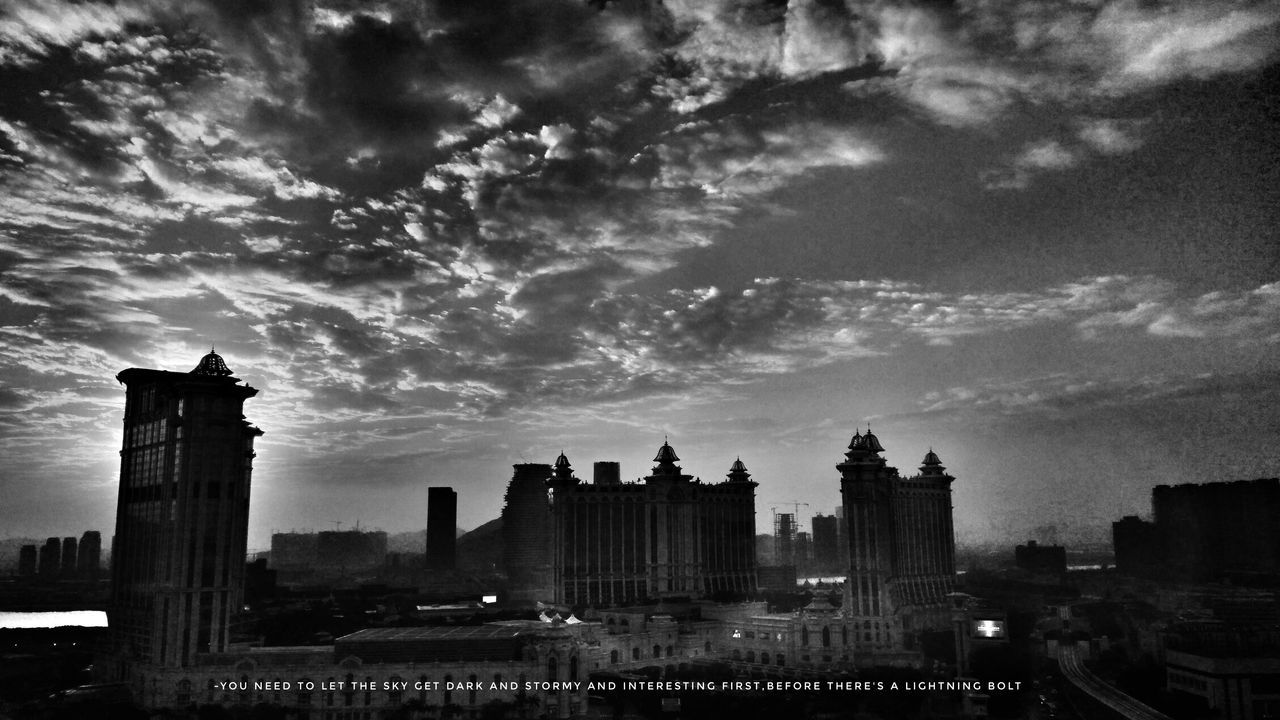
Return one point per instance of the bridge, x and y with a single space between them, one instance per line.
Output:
1080 676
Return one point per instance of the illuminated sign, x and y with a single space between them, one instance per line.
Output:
993 629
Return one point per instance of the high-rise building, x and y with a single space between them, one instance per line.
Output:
27 561
68 569
826 552
615 543
442 526
1215 530
526 535
51 558
901 548
182 516
90 560
1204 532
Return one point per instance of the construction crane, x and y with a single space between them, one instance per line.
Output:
337 525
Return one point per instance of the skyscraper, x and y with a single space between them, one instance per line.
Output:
182 515
825 539
50 558
901 548
69 557
442 524
27 561
90 555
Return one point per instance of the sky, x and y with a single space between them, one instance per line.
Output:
447 236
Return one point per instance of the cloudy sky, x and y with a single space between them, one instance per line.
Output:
446 236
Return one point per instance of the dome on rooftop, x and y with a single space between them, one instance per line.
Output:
212 365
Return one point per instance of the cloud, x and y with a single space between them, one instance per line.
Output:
1065 396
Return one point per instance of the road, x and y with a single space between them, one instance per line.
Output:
1080 676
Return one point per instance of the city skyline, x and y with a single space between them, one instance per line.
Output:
442 240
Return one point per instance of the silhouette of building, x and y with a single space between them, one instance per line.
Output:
1037 558
901 549
51 558
294 550
1219 529
1136 545
68 562
826 553
667 536
442 528
1204 532
350 550
526 535
181 519
27 560
784 539
607 472
613 543
89 563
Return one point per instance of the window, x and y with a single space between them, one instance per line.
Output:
613 657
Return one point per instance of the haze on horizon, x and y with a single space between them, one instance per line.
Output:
443 238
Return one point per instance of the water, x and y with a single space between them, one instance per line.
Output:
69 618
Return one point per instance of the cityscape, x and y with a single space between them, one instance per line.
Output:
630 599
643 359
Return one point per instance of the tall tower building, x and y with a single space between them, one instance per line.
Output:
178 561
27 562
50 558
526 535
90 559
69 557
901 548
442 524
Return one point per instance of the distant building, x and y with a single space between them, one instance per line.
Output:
1136 545
784 539
350 550
826 538
526 535
1219 529
1037 558
27 560
613 543
901 549
89 563
68 562
667 536
777 577
181 519
606 472
1204 532
294 550
442 526
51 558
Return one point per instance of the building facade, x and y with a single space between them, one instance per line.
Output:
612 543
901 549
182 517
